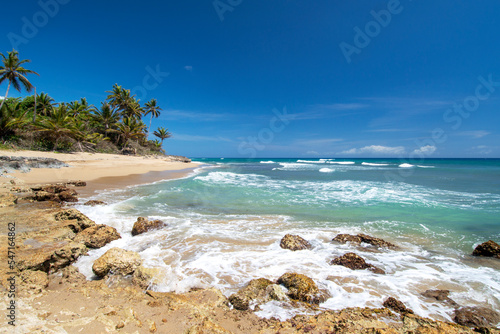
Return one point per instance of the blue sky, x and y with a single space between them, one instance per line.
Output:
280 78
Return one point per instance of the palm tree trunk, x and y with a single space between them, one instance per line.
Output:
150 123
34 112
5 98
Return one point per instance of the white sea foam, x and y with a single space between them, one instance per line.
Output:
312 161
342 162
228 251
268 162
426 166
405 165
373 164
327 170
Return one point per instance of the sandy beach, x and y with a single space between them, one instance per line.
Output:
100 171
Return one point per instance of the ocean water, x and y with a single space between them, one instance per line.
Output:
225 222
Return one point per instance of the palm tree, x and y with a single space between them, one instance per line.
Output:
58 124
153 109
162 133
14 73
130 128
12 117
133 109
106 117
45 103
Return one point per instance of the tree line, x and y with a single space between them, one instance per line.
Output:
39 122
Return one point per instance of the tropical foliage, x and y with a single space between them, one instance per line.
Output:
39 122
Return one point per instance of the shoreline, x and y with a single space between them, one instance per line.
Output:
101 171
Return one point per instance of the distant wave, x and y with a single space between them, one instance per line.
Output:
311 161
373 164
406 166
327 170
268 162
426 166
342 162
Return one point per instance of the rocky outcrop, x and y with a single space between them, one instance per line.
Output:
94 203
488 248
302 288
396 305
74 219
294 242
177 158
440 295
51 257
143 225
476 317
254 290
34 281
78 183
359 238
116 261
97 236
24 164
7 200
355 262
56 193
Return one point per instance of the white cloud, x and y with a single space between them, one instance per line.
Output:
474 134
193 115
482 149
377 149
188 68
312 152
425 150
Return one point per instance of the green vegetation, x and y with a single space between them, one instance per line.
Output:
38 122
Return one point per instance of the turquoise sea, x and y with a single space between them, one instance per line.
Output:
225 221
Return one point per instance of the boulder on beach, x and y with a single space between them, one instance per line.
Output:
396 305
255 289
476 317
51 257
78 183
147 277
302 288
488 248
143 225
355 262
117 261
53 192
294 242
97 236
359 238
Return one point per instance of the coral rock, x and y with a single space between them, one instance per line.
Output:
97 236
396 305
359 238
116 261
255 289
476 317
488 248
302 288
94 203
294 242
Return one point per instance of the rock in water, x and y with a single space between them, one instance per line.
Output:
476 317
355 262
396 305
94 203
294 242
77 221
97 236
302 288
143 225
488 248
359 238
116 261
440 295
